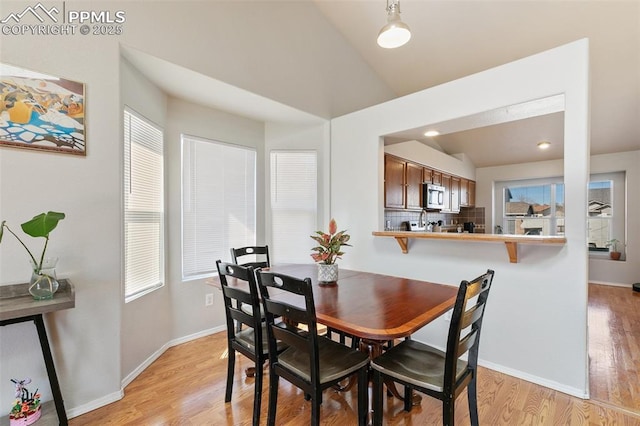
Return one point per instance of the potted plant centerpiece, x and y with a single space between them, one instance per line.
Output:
43 283
613 252
328 251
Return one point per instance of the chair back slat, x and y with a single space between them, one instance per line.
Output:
466 323
254 256
472 315
466 343
239 287
274 288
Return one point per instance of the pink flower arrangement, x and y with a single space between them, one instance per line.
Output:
328 250
27 404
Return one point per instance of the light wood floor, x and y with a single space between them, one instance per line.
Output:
614 346
186 385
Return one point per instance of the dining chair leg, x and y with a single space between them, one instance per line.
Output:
273 398
257 397
363 396
472 396
408 398
231 365
377 398
448 409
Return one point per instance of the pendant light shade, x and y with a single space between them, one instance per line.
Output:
395 33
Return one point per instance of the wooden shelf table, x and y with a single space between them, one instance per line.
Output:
17 305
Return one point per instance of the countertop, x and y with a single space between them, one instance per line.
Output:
511 241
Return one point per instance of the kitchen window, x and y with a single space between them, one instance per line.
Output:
532 207
143 206
218 203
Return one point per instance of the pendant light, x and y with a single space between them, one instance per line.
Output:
395 33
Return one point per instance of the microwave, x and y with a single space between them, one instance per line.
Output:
432 196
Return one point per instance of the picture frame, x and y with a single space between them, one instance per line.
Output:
41 112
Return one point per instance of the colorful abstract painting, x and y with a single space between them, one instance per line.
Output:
39 111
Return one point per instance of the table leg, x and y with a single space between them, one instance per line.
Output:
51 370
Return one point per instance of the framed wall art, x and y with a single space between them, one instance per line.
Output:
39 111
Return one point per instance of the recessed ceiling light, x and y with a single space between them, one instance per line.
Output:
544 144
431 133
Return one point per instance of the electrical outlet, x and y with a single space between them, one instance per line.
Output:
208 299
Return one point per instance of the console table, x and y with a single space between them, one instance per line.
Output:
17 305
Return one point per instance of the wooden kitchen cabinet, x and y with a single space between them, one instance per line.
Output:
455 194
436 177
472 193
394 182
402 184
467 193
426 175
414 186
446 183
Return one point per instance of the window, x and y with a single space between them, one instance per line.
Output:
143 206
532 208
606 211
293 204
218 203
600 215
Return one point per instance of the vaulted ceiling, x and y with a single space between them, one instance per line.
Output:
453 39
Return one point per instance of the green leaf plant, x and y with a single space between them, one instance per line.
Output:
40 226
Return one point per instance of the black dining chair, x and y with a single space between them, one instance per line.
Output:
313 363
254 256
442 375
252 340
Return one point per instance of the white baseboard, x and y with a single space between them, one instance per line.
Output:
116 396
610 284
578 393
136 372
530 378
95 404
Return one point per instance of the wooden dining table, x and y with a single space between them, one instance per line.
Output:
375 308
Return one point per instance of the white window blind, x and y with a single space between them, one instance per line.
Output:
143 206
218 203
294 197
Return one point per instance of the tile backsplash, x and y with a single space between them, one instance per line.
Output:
397 218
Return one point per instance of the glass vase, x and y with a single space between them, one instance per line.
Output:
44 283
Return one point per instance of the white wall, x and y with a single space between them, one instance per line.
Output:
536 320
281 50
152 312
85 340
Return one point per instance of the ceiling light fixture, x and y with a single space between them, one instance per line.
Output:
395 33
544 144
431 133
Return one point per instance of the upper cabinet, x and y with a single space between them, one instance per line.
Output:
467 193
414 186
394 182
455 194
403 181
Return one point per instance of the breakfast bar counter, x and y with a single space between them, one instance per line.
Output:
510 241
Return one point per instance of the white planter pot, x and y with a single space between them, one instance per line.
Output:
327 274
